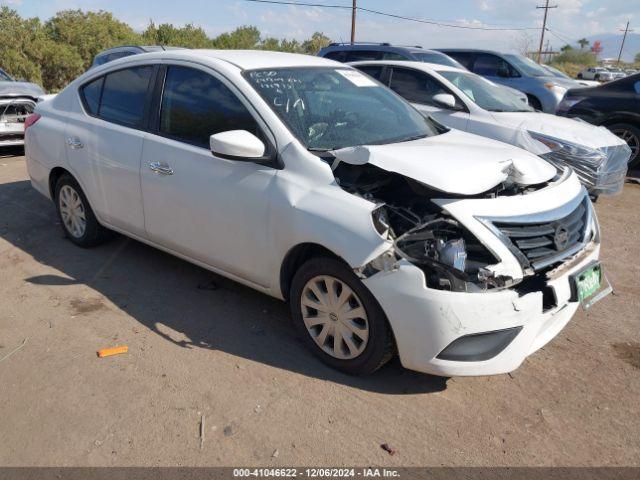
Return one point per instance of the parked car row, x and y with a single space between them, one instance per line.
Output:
465 101
385 230
605 74
545 89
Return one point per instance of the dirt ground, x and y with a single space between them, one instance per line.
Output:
202 345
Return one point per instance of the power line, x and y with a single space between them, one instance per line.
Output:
392 15
544 26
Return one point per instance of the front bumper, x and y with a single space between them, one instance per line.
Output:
425 321
11 134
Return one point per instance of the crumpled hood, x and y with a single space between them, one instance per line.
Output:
454 162
562 128
20 89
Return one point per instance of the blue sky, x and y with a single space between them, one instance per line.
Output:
573 19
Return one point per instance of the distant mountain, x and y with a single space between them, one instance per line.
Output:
611 45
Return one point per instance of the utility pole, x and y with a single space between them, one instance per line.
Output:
353 22
626 30
544 27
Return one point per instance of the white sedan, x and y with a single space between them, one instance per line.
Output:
463 100
308 181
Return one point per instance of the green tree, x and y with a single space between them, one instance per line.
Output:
21 42
89 32
637 58
584 43
317 41
188 36
245 37
566 48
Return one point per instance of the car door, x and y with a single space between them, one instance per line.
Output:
104 144
419 88
211 209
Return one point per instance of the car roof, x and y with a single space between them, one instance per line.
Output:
242 59
427 67
470 50
387 47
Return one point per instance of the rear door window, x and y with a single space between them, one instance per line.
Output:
124 96
374 71
196 105
415 86
489 65
465 58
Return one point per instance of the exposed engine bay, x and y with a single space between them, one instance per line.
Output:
15 110
450 256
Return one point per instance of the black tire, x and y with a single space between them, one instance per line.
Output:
579 77
534 102
380 346
596 78
94 233
630 134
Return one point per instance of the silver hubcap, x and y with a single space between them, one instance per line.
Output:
632 140
72 212
334 317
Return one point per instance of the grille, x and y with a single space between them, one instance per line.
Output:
540 245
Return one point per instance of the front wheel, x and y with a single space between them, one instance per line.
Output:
631 135
79 223
338 319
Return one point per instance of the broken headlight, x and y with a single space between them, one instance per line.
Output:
451 258
602 170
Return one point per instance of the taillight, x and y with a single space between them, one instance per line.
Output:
30 120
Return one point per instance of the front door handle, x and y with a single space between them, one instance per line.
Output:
74 143
161 168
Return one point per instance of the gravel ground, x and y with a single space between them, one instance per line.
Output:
200 345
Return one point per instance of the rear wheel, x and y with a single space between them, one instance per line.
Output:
79 223
338 319
580 76
630 134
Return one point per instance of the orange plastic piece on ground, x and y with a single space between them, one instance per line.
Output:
107 352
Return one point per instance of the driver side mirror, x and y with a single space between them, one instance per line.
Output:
445 100
237 145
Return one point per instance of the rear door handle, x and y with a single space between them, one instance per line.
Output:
161 168
74 143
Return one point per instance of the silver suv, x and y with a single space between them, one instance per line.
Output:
543 90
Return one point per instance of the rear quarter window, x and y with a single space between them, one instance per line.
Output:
91 95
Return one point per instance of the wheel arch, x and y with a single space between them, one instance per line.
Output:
54 175
296 257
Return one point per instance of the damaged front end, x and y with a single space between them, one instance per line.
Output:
419 232
602 170
13 113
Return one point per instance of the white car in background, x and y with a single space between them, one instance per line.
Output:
599 74
308 181
466 101
560 74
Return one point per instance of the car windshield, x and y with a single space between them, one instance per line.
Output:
4 77
438 59
331 108
527 66
485 94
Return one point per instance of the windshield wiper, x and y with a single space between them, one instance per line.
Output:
416 137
